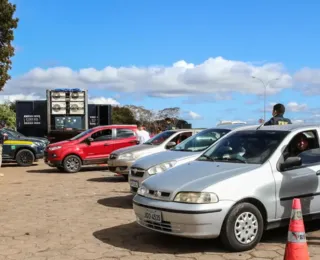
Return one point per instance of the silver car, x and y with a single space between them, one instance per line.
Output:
184 152
121 160
239 187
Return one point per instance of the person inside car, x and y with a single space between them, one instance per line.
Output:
277 116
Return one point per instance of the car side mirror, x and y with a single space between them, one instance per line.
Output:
171 145
89 140
291 162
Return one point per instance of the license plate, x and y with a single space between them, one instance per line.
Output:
153 215
134 184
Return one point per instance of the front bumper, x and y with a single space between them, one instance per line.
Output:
119 166
135 179
39 156
51 161
180 219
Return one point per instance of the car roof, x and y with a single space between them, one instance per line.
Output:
285 128
115 126
234 126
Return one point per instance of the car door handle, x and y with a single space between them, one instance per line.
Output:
318 173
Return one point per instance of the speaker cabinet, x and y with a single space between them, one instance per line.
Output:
58 96
58 108
76 108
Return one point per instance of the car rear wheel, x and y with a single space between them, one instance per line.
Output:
72 164
243 228
25 157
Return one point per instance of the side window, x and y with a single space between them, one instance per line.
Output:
124 133
181 137
102 135
302 144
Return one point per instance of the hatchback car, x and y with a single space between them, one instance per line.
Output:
184 152
122 159
93 146
239 187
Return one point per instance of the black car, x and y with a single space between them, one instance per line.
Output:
21 149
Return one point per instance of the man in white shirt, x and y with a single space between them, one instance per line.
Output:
143 135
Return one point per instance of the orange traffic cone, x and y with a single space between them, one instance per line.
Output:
296 248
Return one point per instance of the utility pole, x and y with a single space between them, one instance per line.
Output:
265 85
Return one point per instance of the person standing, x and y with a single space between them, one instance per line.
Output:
3 137
143 135
277 116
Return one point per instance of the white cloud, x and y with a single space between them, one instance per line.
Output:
290 107
308 81
190 115
216 76
104 101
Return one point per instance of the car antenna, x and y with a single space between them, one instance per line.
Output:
260 126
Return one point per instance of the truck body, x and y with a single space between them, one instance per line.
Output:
63 115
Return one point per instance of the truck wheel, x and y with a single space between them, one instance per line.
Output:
72 164
25 157
242 228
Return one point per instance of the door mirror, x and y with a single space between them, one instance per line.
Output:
88 140
290 162
171 145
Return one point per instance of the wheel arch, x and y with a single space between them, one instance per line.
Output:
257 203
75 154
24 148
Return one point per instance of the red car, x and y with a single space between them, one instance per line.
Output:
93 146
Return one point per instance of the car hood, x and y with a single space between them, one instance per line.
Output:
196 175
61 143
135 148
35 139
161 157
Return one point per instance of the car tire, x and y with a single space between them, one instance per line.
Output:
72 164
25 157
243 220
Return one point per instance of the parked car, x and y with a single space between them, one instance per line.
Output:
18 135
239 187
92 146
184 152
122 159
22 150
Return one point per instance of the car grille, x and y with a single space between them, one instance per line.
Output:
113 156
163 226
158 195
137 172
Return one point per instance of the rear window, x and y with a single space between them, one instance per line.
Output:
160 138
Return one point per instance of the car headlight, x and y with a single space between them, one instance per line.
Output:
161 167
142 190
126 156
196 197
53 148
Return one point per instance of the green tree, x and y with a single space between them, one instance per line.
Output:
7 24
8 115
122 115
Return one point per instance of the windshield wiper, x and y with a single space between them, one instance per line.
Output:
207 157
231 160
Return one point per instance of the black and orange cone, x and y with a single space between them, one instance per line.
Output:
296 248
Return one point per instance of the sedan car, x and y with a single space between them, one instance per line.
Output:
239 187
184 152
121 160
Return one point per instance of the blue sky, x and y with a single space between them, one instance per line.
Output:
141 40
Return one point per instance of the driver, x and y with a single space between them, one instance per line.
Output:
299 145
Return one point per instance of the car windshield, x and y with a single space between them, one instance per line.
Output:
160 138
250 146
81 134
201 141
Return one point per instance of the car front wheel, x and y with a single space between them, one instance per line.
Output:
243 228
25 157
72 164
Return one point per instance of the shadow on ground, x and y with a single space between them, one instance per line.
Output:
56 171
108 179
5 165
143 240
122 202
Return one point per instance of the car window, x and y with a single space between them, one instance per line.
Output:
250 146
201 141
301 142
124 133
181 137
78 136
160 138
102 135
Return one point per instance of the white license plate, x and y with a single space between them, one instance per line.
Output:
134 184
153 215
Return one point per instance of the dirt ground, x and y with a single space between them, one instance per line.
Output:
47 215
